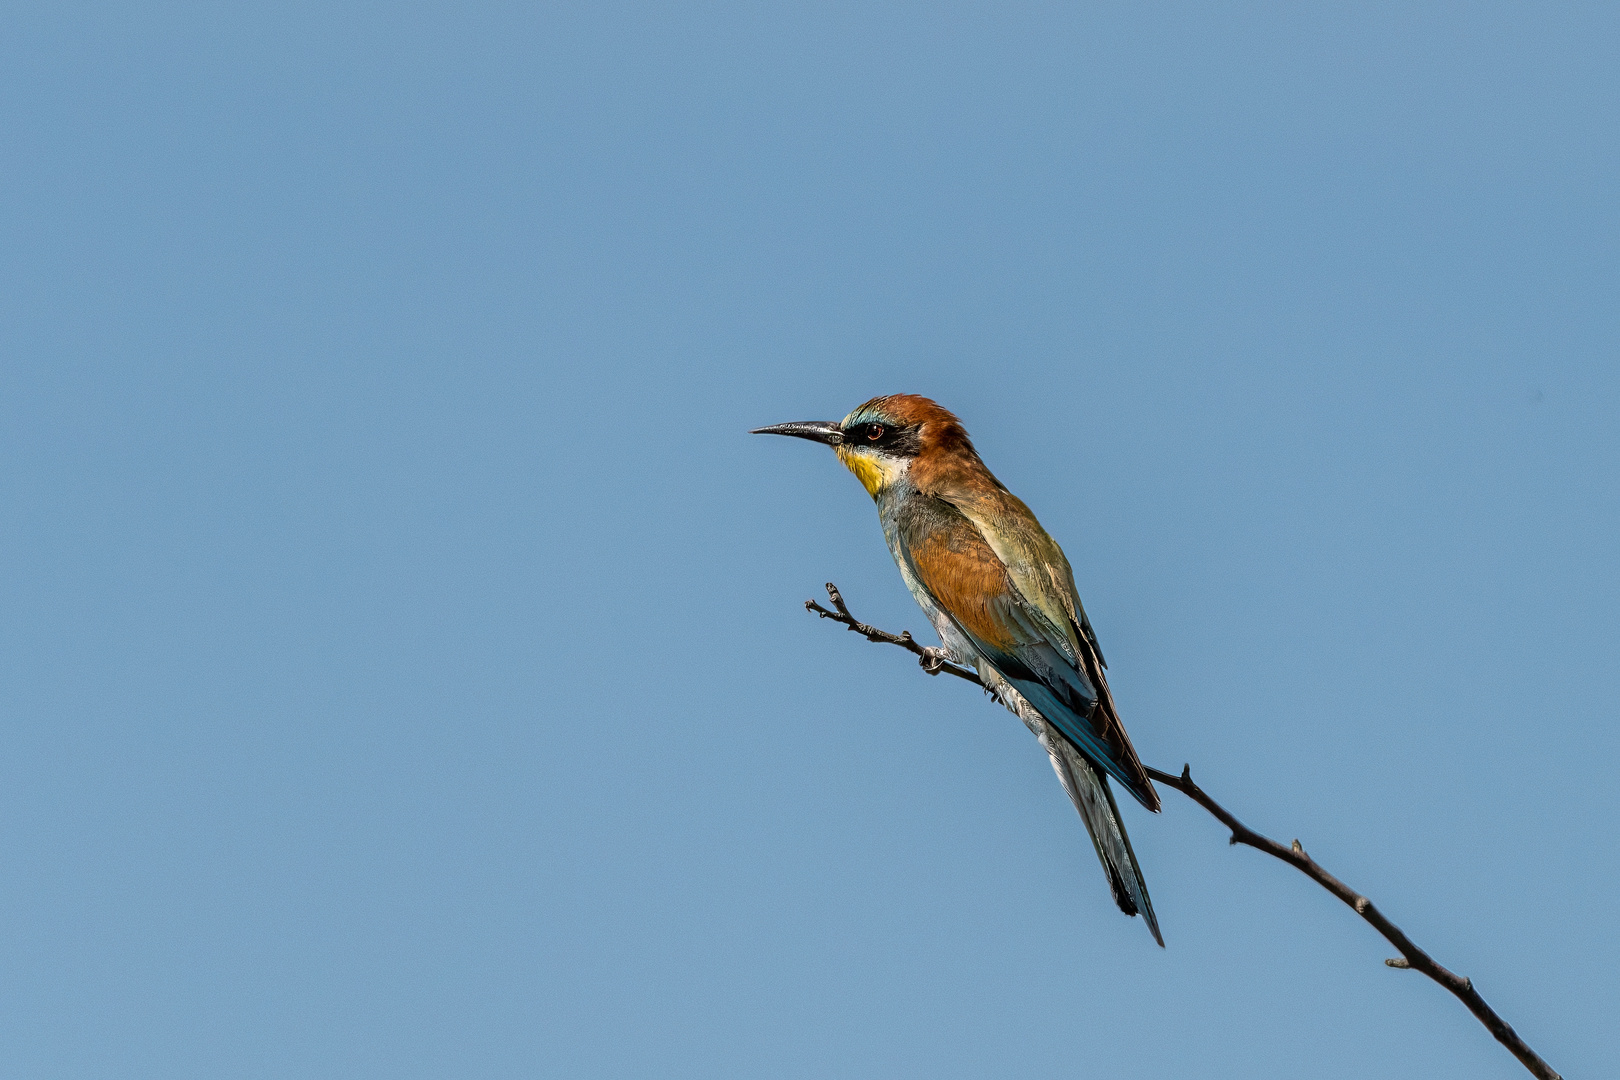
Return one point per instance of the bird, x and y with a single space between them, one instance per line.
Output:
1001 595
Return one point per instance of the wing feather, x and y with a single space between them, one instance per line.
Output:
1041 646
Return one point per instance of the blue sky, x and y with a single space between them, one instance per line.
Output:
403 667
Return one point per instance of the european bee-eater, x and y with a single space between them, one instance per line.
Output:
1000 593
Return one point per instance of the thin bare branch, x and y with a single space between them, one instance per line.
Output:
1412 957
931 660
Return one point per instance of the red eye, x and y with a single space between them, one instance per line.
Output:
874 432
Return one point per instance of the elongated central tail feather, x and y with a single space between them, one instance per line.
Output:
1088 790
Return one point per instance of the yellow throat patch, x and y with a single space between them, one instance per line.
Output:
874 473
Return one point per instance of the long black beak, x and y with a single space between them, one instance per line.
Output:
824 431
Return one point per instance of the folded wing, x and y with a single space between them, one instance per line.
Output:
1055 665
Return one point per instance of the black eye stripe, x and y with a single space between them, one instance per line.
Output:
890 440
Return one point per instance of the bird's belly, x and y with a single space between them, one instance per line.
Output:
955 642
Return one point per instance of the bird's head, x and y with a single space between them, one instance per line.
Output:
881 440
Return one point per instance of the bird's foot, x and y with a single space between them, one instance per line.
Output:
933 660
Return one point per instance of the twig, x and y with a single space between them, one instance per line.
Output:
1411 956
931 660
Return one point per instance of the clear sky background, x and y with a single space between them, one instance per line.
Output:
404 671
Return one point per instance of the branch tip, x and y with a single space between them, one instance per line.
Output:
933 660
